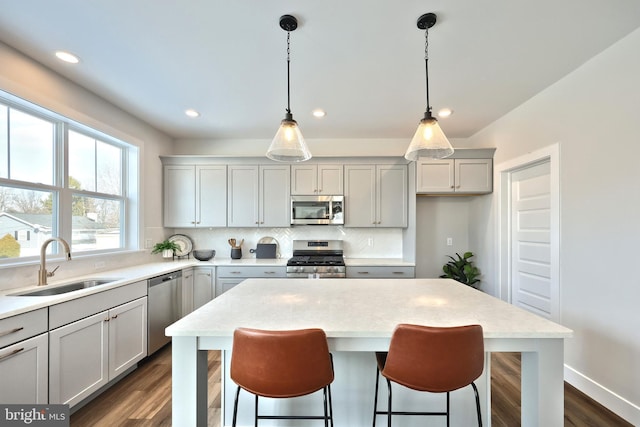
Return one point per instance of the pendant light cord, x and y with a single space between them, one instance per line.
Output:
426 65
288 79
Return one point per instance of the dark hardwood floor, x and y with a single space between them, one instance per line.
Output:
143 398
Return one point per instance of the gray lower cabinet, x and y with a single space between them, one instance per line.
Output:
24 352
228 277
203 286
381 272
86 354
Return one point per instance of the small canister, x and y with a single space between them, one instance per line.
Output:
236 253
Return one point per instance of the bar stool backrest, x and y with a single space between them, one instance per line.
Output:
435 359
281 363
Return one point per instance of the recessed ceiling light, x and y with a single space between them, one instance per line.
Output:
319 113
445 112
67 57
192 113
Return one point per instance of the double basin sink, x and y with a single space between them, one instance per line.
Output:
63 289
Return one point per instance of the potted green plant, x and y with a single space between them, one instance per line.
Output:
167 248
462 270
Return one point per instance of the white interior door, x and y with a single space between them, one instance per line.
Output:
531 239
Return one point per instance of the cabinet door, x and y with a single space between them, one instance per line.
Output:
275 196
242 196
391 196
78 359
304 180
179 196
211 190
474 175
187 291
223 285
24 371
360 195
435 176
203 286
127 336
330 180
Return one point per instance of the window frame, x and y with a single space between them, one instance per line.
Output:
62 195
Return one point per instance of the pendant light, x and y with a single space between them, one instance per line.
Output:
288 145
429 141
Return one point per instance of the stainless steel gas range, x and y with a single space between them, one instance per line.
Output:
316 258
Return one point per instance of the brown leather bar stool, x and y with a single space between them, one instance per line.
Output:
282 364
433 359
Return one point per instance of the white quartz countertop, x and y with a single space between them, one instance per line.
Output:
369 308
11 305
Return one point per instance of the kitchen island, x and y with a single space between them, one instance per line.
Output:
358 316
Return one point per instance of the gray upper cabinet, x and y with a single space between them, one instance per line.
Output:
322 179
454 176
195 196
259 196
376 195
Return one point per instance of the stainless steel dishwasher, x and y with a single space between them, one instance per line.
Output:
164 308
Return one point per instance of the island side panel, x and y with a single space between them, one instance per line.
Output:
189 382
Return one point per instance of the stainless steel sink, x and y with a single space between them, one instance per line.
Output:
63 289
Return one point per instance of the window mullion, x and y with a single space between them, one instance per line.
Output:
65 197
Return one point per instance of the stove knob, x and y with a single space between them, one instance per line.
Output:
315 269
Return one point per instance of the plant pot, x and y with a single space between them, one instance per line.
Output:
167 253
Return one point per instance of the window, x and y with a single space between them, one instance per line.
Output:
61 179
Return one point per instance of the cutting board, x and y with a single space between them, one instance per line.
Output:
266 250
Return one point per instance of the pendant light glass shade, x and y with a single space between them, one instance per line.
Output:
429 141
288 145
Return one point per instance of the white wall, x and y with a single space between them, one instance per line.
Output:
593 115
29 80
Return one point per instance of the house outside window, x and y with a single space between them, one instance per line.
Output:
59 178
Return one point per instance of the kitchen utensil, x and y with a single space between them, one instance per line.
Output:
265 250
204 254
232 242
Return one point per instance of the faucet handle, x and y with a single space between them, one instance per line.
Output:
52 272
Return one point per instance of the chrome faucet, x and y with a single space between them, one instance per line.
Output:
43 273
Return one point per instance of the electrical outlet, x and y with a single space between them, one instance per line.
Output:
449 241
148 243
99 264
370 241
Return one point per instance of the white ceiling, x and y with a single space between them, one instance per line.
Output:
360 60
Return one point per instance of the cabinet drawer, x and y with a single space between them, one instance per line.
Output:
22 326
244 271
381 272
79 308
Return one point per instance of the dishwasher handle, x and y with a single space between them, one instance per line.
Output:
164 278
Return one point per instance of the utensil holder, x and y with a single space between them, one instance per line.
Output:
236 253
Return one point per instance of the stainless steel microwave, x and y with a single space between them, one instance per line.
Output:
317 210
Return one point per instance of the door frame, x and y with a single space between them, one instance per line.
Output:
504 176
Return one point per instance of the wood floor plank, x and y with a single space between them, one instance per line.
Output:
143 398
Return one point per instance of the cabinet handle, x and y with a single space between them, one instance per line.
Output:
107 319
235 272
16 351
453 186
457 186
269 272
11 331
398 272
363 272
115 317
193 222
198 222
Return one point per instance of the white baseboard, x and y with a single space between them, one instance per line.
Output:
604 396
